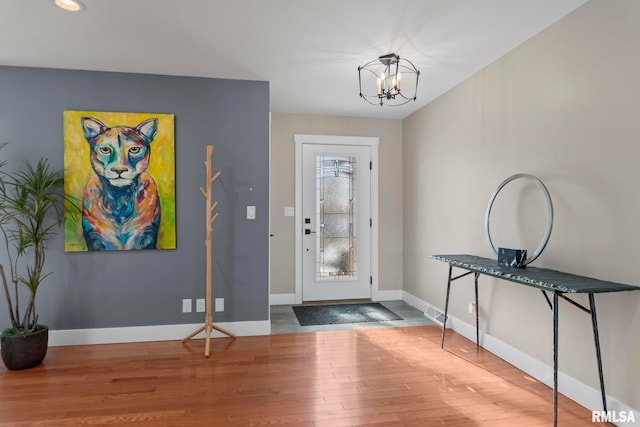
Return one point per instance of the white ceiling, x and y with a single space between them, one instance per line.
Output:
309 51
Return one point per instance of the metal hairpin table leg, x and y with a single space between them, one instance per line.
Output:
596 337
446 307
555 358
476 275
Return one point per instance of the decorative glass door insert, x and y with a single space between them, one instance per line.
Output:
336 210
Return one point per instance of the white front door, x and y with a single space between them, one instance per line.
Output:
336 222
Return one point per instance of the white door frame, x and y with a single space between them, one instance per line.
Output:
372 142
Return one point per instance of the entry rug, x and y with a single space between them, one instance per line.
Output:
334 314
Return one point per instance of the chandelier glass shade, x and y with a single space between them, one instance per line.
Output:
388 80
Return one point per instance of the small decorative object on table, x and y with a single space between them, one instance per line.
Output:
512 257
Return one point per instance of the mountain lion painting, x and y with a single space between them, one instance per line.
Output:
121 202
120 206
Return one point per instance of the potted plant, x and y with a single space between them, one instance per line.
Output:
32 203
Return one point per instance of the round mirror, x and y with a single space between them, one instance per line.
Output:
547 233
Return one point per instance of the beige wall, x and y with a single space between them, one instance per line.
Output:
389 132
565 107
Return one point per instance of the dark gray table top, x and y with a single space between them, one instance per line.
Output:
541 278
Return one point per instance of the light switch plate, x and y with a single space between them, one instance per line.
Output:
251 212
289 211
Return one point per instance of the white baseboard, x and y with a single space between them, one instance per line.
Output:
394 295
575 390
282 299
414 301
151 333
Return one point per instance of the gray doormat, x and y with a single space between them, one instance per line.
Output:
334 314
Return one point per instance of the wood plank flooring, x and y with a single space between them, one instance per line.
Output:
383 377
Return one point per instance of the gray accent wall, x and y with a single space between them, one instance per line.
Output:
139 288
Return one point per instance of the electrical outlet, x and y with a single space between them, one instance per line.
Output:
186 305
200 305
219 304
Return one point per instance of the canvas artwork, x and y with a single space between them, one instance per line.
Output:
120 167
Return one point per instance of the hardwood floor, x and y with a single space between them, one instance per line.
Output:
387 377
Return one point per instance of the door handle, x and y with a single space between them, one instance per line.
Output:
308 231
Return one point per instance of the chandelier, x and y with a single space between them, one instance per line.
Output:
382 80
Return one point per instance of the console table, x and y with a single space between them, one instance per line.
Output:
546 280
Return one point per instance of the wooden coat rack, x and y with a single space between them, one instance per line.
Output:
208 323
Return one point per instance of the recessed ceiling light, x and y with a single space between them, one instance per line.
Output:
70 5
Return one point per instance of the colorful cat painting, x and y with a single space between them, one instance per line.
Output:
120 203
